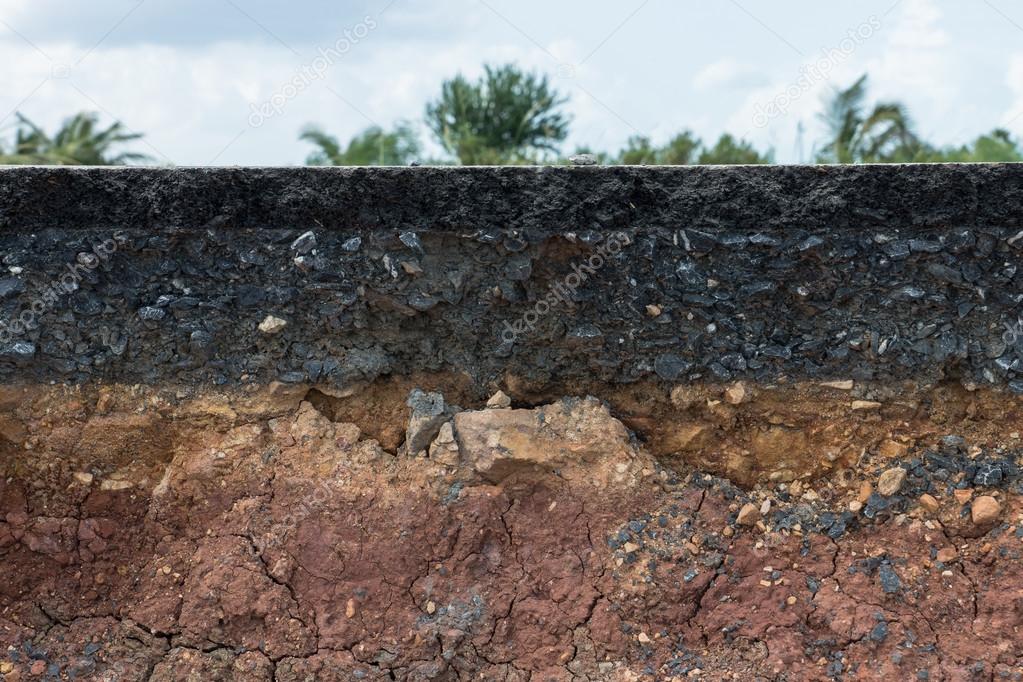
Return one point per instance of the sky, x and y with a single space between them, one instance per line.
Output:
234 82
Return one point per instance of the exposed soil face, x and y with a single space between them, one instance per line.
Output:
287 534
251 427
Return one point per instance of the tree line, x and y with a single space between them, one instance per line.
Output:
510 116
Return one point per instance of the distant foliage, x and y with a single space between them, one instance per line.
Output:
729 150
685 149
507 116
511 116
884 134
372 147
79 141
681 150
998 145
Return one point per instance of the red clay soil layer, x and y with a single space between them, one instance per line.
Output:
520 545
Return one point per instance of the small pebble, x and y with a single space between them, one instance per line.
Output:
583 160
985 511
736 393
271 325
499 400
890 482
748 515
929 503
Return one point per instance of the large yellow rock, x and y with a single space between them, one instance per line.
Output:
575 437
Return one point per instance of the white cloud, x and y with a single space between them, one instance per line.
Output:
1013 118
9 10
728 73
917 64
909 59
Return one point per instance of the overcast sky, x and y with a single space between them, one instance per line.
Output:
196 76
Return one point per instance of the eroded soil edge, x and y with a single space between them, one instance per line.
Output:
781 532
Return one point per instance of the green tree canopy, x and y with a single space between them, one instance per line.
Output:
372 147
729 150
996 146
507 116
79 141
680 150
685 149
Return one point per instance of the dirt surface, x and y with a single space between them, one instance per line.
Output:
265 536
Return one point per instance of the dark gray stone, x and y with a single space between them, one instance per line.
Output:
11 286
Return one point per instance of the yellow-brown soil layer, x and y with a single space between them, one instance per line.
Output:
745 432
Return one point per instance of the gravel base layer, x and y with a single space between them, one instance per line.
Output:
148 538
227 276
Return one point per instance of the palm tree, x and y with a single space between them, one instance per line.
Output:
884 135
79 141
507 116
372 147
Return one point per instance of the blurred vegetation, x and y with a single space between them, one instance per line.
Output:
78 141
685 149
511 116
372 147
507 116
885 134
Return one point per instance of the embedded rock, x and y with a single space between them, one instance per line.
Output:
985 510
572 437
429 412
